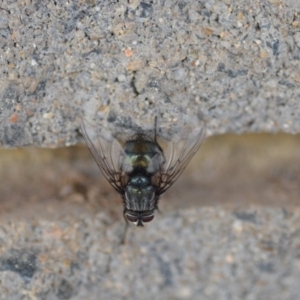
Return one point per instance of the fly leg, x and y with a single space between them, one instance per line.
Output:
123 239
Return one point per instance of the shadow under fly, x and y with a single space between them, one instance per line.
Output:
139 168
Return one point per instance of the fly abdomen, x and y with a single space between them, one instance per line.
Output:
139 181
140 193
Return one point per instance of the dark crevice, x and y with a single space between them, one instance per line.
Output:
132 84
1 8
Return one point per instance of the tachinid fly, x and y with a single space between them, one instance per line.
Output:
139 169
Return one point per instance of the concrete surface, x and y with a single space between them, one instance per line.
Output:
234 63
229 228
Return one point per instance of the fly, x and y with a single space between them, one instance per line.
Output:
139 170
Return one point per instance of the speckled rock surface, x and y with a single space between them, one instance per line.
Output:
229 228
200 253
234 63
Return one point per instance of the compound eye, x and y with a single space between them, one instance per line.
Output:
147 219
132 218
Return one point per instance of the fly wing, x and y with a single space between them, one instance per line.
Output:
177 155
106 151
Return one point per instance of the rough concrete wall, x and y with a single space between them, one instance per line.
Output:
228 229
234 63
230 226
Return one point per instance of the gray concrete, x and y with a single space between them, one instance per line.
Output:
193 254
229 228
234 63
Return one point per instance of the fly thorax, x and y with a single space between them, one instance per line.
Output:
155 164
144 155
139 194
